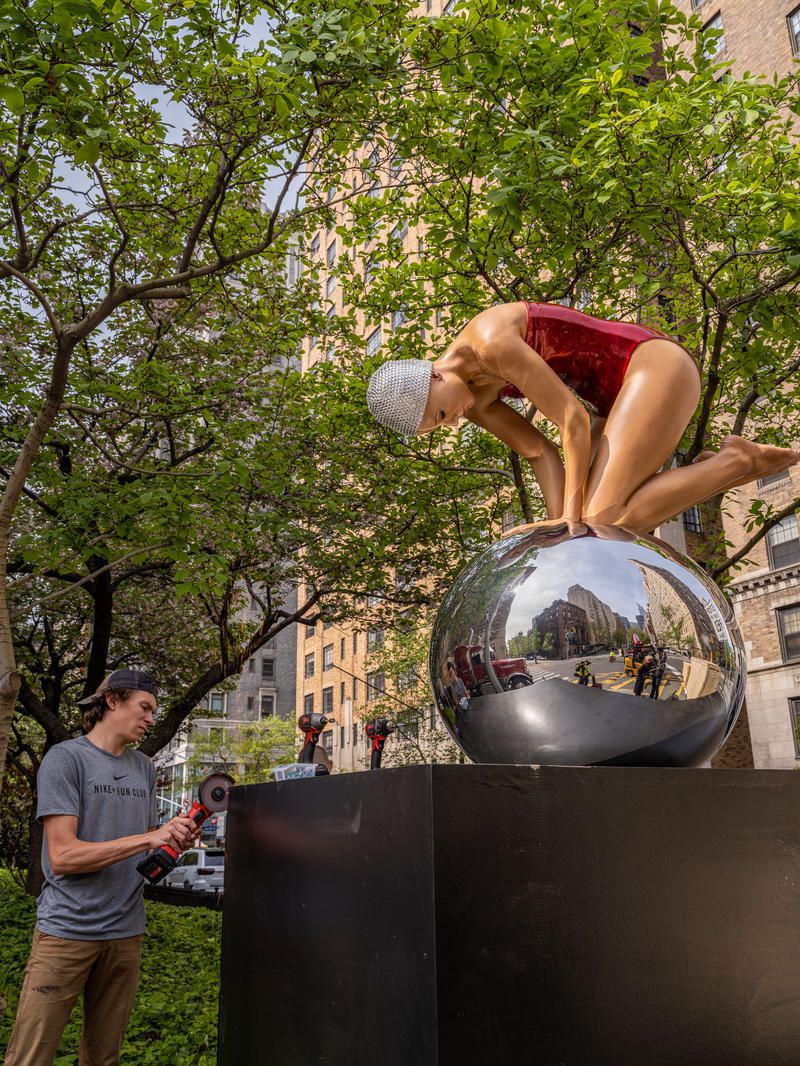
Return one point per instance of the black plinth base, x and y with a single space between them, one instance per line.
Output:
512 916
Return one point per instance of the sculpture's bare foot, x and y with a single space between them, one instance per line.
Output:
759 460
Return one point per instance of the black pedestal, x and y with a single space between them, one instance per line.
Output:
512 916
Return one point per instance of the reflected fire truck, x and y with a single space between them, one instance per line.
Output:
470 667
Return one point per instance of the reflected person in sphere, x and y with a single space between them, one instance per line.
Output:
642 389
457 689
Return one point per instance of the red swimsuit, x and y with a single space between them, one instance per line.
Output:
590 355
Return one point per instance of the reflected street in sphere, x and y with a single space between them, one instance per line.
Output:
579 645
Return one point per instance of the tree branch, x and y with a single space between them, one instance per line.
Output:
762 532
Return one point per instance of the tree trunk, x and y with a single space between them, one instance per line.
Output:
9 678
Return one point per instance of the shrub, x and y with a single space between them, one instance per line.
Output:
174 1022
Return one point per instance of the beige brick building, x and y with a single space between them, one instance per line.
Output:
766 599
760 36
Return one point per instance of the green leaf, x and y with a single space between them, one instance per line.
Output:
13 98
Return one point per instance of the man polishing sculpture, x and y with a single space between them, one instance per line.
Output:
96 798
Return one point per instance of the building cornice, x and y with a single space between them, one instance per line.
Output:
763 580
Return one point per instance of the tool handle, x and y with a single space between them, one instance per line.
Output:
307 754
377 753
158 864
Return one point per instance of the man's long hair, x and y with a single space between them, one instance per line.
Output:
95 710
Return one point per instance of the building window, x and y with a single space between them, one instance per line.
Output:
327 741
398 318
794 30
310 631
355 643
371 271
400 230
376 684
375 190
713 48
355 732
789 629
250 702
315 245
330 285
308 703
509 521
251 666
783 545
374 637
327 700
267 705
692 522
327 657
448 7
216 702
341 693
397 162
267 669
341 736
794 710
309 672
330 255
374 341
406 680
355 690
342 647
770 479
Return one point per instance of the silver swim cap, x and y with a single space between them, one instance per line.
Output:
398 392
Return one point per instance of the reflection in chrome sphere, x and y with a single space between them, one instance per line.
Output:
513 634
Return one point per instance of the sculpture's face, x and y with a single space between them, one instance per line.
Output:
449 400
574 594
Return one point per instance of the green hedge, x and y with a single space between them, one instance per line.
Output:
174 1021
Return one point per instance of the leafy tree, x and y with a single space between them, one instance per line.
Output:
249 754
131 259
402 658
549 644
525 643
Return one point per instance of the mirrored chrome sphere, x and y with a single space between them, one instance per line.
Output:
579 645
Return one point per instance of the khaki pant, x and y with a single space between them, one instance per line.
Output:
58 970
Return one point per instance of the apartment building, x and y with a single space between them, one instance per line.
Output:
266 686
762 37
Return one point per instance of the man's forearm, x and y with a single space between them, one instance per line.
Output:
87 857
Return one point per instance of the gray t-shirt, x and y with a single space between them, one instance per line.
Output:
112 796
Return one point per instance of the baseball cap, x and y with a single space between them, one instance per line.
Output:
137 680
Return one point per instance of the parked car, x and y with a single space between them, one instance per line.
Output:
198 870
